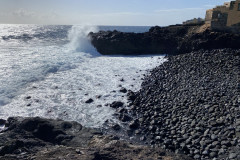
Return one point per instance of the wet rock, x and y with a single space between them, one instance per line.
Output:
134 124
125 118
116 104
28 97
116 127
131 96
26 138
98 96
2 121
89 100
123 90
122 80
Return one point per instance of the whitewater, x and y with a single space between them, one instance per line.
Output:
51 71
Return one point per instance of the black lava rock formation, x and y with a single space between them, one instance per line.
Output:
42 139
169 40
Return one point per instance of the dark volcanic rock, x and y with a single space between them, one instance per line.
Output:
152 42
163 40
116 104
191 103
131 95
123 90
134 124
38 138
116 127
29 135
89 100
2 121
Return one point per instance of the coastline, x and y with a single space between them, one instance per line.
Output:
39 138
171 40
189 105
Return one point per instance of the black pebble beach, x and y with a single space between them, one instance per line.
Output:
191 105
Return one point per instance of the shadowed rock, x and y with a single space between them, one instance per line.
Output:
39 138
169 40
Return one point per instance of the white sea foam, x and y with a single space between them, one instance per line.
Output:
60 79
79 40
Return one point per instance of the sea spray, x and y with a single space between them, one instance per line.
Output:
37 58
79 39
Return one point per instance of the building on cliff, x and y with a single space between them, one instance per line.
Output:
224 17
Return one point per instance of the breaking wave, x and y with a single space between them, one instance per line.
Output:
79 39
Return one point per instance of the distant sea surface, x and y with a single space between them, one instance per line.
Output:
51 71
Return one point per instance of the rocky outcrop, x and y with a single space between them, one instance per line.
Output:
190 105
170 40
38 138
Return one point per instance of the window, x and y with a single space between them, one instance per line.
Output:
239 6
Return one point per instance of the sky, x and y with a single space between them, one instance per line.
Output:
103 12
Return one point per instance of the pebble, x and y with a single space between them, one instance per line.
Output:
123 90
116 127
89 100
232 156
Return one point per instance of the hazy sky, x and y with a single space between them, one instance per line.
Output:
103 12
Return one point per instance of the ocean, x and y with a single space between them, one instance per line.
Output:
52 70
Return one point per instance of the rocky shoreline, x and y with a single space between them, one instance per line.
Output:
171 40
39 138
191 105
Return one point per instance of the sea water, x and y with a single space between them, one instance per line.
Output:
51 71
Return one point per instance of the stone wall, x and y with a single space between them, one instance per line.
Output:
208 18
234 14
219 19
224 17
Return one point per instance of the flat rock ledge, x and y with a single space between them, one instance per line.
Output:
38 138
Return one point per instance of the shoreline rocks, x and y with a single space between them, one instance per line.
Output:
190 104
171 40
39 138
